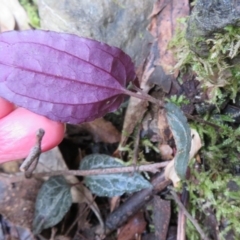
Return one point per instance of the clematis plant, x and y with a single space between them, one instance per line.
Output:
63 77
67 79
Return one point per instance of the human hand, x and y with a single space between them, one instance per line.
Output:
18 128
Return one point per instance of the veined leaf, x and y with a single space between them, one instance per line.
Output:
110 185
53 201
182 136
62 76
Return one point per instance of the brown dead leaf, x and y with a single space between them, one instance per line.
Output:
161 217
102 131
134 115
51 161
150 128
135 225
165 135
61 237
163 126
11 167
163 25
166 151
114 203
196 144
137 107
12 15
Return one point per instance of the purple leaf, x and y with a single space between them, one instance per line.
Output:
62 76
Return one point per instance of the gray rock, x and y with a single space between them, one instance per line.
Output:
120 23
209 17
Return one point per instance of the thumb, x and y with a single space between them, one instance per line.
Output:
18 134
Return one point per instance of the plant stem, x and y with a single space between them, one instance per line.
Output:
143 168
143 96
193 221
196 118
31 161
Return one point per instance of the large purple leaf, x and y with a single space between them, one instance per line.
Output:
62 76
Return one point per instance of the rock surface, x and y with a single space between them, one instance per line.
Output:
119 23
209 17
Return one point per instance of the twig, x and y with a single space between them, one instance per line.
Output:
193 221
134 203
143 168
196 118
30 163
136 146
181 230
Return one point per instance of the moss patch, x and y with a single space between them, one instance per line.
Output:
32 11
219 71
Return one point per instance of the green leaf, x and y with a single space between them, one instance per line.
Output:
114 184
182 136
53 201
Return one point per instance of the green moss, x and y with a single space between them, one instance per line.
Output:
219 74
32 11
178 100
217 70
213 191
209 187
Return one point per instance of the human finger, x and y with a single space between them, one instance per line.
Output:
5 107
18 134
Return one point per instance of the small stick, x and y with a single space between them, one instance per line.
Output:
142 168
136 146
196 118
193 221
135 202
181 231
31 161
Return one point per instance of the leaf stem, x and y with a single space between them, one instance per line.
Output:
143 95
193 221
